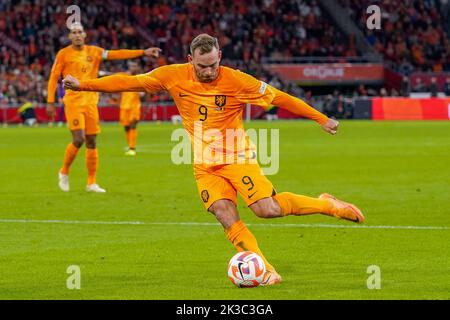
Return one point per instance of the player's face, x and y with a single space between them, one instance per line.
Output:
206 65
77 37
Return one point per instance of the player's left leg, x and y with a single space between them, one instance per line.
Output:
129 118
258 193
92 129
132 137
286 203
127 138
293 204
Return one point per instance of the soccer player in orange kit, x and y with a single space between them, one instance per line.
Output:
80 108
213 96
130 111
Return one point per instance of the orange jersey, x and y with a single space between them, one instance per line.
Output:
206 108
129 100
214 107
82 64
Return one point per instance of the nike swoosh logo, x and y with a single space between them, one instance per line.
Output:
250 196
181 95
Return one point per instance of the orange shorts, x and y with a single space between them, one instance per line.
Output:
83 118
224 181
127 116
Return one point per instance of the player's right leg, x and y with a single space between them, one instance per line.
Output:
76 121
92 156
69 156
219 198
240 236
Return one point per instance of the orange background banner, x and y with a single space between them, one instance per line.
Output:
332 72
410 109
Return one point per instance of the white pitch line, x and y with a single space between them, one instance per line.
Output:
284 225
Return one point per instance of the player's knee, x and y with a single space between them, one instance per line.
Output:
221 207
78 141
262 212
265 208
91 142
225 212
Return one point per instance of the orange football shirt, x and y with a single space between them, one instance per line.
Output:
129 99
83 65
214 108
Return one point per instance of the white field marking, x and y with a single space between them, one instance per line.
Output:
284 225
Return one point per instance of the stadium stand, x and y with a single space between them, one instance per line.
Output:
414 38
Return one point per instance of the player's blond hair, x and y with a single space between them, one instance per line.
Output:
205 43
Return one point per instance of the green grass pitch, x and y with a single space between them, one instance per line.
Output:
396 172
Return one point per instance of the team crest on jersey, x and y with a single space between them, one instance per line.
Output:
220 100
205 196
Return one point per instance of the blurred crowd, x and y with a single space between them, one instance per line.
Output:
413 34
32 32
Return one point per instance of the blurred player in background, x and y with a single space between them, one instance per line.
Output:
130 110
80 108
213 97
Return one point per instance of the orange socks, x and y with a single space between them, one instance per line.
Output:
91 161
132 137
127 137
243 240
69 156
294 204
91 164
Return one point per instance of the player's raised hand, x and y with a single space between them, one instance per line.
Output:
331 126
71 83
152 52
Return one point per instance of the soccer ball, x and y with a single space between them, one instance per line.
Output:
246 269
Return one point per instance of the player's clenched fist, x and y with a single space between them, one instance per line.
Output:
71 83
152 52
331 126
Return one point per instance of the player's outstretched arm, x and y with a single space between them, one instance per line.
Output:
131 54
256 92
114 83
298 106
